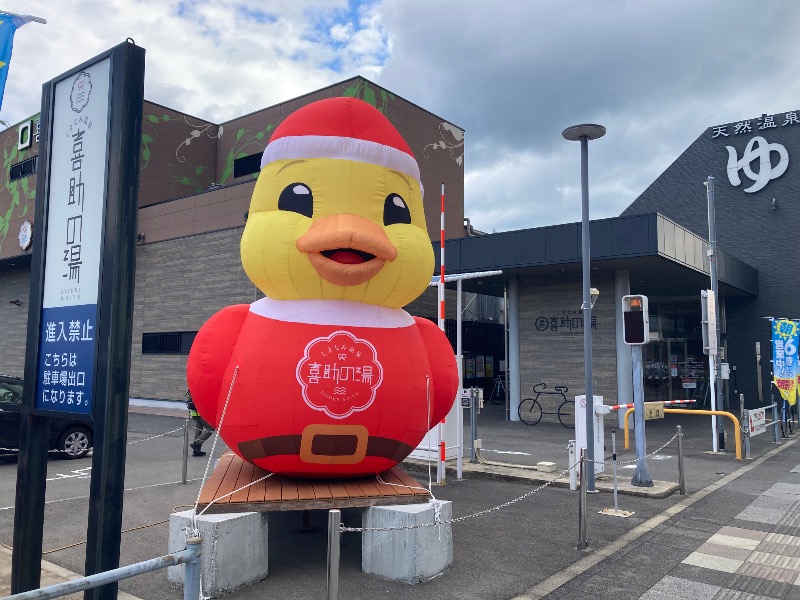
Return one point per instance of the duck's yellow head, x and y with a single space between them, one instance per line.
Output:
337 211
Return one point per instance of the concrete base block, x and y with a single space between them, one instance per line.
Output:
545 466
234 549
407 555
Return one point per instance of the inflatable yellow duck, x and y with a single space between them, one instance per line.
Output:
328 376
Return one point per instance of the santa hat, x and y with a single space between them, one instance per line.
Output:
341 128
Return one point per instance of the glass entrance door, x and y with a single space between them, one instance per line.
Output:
674 369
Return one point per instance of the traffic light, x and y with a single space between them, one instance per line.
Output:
635 320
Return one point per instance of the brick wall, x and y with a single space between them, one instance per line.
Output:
179 285
555 356
14 285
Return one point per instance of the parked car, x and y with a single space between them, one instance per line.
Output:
72 438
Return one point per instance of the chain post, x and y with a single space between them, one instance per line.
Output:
681 476
614 464
582 542
334 548
185 465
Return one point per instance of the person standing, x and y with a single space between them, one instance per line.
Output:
202 430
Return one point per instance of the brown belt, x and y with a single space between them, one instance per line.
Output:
327 444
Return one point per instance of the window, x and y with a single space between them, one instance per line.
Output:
247 165
10 392
22 169
168 343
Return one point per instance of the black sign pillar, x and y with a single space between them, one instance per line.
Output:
82 305
115 320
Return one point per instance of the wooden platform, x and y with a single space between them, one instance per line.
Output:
278 493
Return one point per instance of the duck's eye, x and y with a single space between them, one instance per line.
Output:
297 197
395 210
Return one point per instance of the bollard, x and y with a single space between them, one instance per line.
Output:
473 421
582 542
185 450
614 464
745 427
681 478
334 543
191 576
573 466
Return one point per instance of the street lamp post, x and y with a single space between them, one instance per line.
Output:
584 133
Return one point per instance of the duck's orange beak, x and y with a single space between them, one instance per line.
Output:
346 249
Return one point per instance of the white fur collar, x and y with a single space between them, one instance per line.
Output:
332 312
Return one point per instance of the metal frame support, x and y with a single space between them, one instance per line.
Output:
775 423
473 421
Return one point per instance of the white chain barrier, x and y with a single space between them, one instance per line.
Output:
436 504
635 460
152 437
147 439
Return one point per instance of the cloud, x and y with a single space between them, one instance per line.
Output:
656 74
513 75
211 58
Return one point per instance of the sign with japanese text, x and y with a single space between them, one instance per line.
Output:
784 358
653 410
757 421
28 133
569 322
339 374
761 160
597 427
76 209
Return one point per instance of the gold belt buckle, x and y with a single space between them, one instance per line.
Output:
316 439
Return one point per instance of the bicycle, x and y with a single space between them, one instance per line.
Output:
498 393
530 409
787 417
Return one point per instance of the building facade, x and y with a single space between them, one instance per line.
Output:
197 178
756 189
194 193
659 247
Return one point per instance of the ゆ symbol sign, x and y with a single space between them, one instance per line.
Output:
757 149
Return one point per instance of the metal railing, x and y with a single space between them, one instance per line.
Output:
190 557
737 430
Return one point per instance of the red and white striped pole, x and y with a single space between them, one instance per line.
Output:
665 403
440 475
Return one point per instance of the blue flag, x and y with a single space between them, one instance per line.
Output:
8 25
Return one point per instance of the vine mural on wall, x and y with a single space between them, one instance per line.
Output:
361 89
20 190
203 176
198 177
245 139
452 140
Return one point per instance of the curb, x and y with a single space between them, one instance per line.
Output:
603 483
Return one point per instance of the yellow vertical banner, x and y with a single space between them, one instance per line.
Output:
784 358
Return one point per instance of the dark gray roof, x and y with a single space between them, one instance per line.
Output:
664 258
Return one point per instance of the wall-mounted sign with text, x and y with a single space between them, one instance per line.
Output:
28 133
761 161
568 322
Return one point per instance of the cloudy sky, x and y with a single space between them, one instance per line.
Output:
513 74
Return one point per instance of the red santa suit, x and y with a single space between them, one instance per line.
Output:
322 388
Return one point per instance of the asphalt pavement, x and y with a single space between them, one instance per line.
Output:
527 549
